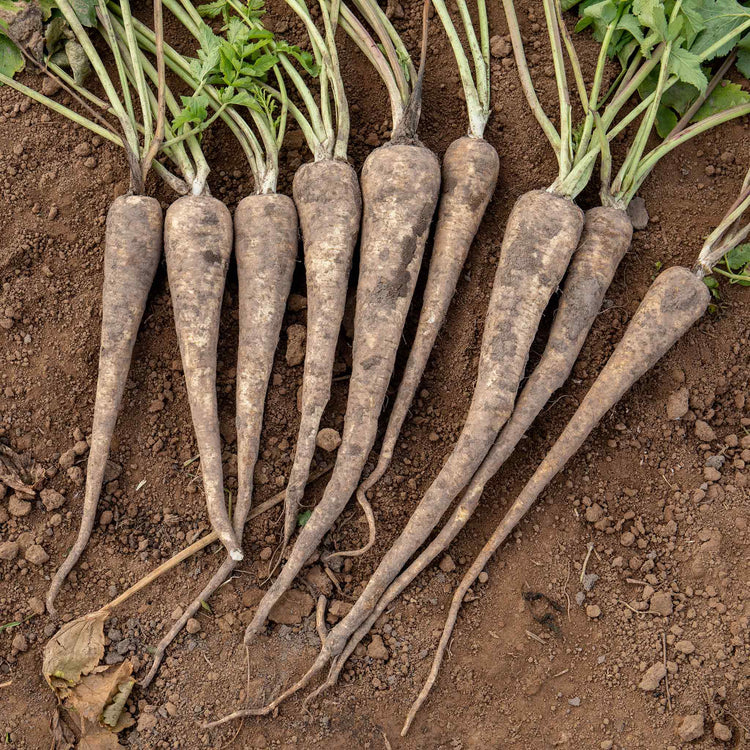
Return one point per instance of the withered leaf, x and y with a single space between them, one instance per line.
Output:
78 61
96 737
75 650
62 735
101 695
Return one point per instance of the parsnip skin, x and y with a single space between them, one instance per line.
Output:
469 174
673 303
132 251
266 239
329 202
400 185
198 245
541 234
265 232
605 239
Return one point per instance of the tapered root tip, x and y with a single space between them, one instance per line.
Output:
249 636
236 555
52 611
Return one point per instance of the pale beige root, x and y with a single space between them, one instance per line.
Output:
399 191
198 244
329 203
266 249
673 303
470 168
131 256
541 234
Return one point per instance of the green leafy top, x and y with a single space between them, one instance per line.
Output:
55 37
664 49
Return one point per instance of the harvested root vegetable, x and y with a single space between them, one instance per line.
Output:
605 239
134 222
674 301
266 249
400 183
329 203
265 242
541 235
399 191
604 242
469 174
672 304
198 244
131 255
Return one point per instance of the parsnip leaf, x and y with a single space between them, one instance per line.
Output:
722 18
687 67
723 97
11 61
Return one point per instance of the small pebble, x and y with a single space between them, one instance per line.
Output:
685 647
447 565
19 643
328 439
295 346
36 555
722 732
661 603
704 431
377 649
193 626
593 611
653 676
18 507
691 727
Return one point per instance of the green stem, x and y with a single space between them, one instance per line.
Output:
343 126
558 62
266 163
304 125
383 28
483 83
711 51
361 37
239 128
140 79
733 277
526 83
177 152
108 33
649 161
596 88
626 91
478 115
575 63
480 72
625 176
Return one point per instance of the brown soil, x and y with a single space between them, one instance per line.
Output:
509 681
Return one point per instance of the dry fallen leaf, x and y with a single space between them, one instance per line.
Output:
20 473
75 650
98 738
94 694
62 735
101 695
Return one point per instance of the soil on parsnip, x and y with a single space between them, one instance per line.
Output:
662 500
